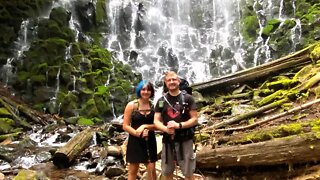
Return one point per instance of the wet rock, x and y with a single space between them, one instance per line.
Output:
114 171
31 175
43 156
114 150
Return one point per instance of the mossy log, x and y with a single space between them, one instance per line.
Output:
24 109
18 121
290 150
10 135
301 57
298 108
247 115
65 155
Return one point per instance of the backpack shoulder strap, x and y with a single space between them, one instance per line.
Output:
135 105
151 104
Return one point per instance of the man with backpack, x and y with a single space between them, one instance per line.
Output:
176 116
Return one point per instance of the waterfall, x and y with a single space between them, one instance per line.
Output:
200 39
21 45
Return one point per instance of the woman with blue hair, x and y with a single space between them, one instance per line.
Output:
138 122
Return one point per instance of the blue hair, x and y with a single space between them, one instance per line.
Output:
142 84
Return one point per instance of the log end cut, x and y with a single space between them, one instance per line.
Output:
61 160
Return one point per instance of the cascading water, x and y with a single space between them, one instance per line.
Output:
21 45
198 39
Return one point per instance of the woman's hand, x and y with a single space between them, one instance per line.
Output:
140 130
145 133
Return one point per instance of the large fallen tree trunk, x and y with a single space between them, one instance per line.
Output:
299 58
65 155
290 150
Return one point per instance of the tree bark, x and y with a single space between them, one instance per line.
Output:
299 58
289 150
65 155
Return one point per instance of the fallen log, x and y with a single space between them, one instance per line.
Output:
18 121
23 108
65 155
303 106
247 115
295 149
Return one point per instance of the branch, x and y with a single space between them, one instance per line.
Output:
271 118
248 115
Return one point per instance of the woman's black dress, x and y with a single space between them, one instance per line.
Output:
140 150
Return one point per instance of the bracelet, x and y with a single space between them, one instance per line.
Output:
180 125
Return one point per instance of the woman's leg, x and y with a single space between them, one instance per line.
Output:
133 171
151 171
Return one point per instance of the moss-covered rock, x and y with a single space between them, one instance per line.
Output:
271 26
250 26
6 125
12 13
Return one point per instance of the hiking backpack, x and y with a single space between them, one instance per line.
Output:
184 86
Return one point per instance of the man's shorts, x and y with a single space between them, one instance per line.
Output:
187 164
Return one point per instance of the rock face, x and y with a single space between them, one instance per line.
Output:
60 73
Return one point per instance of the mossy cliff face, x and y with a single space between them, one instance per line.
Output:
61 74
302 19
12 13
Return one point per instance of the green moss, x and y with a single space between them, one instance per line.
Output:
290 129
101 12
282 84
289 24
26 174
6 125
267 30
271 26
101 104
250 25
38 79
85 121
315 125
201 137
101 90
282 131
4 112
315 54
89 109
280 94
68 103
299 116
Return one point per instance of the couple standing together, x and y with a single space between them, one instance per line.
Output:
175 115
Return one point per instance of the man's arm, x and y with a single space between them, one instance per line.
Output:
159 125
158 122
189 123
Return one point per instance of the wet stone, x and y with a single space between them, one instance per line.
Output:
114 171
